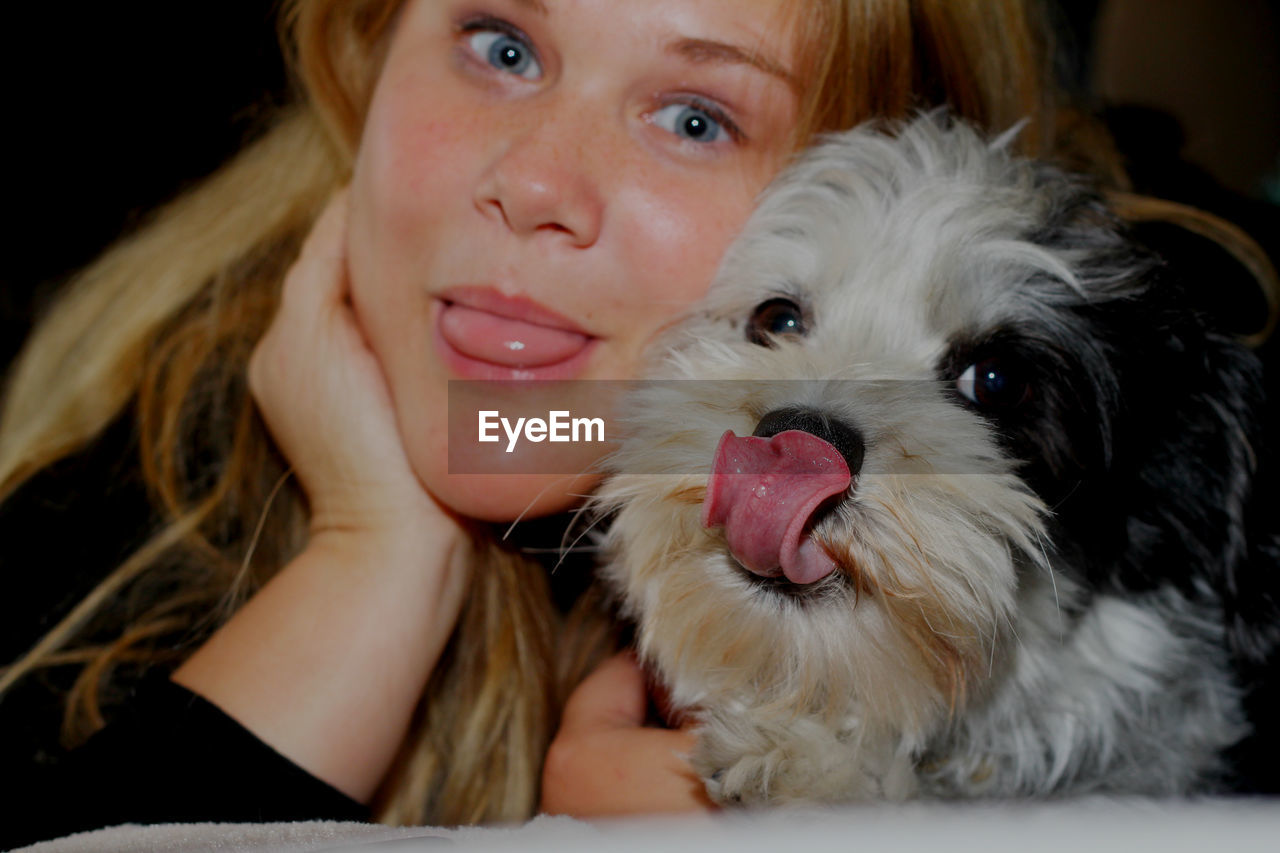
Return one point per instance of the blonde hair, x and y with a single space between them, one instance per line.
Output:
164 322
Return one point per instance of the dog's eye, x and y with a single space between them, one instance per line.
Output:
994 383
773 319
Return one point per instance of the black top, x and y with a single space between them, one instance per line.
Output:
166 754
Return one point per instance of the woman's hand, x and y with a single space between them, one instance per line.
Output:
325 400
606 762
327 661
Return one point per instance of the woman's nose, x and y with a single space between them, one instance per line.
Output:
541 180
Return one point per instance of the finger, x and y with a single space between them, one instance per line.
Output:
611 697
312 295
318 278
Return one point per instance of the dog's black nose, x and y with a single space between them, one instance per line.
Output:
838 434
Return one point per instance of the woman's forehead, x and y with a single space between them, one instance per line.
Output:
759 30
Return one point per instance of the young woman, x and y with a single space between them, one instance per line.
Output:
345 634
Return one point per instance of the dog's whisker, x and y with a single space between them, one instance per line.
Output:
585 507
573 547
1013 630
590 468
991 660
1058 505
1053 581
515 522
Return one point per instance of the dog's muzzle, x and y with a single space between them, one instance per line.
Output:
765 490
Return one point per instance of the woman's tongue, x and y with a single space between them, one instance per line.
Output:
500 340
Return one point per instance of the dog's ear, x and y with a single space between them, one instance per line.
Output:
1192 463
1206 487
1240 287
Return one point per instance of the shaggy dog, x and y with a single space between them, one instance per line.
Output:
958 500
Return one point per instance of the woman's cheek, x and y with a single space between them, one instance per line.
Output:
684 238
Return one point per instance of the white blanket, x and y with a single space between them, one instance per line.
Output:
1091 826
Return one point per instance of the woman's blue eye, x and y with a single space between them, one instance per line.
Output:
506 53
689 122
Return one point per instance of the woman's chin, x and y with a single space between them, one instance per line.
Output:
506 497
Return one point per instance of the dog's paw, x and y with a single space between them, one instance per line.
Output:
795 761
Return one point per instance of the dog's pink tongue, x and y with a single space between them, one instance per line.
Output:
763 491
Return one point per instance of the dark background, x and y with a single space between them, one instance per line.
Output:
112 108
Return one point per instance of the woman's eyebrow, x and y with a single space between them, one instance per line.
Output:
703 50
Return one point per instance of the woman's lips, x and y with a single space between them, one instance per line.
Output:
495 336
